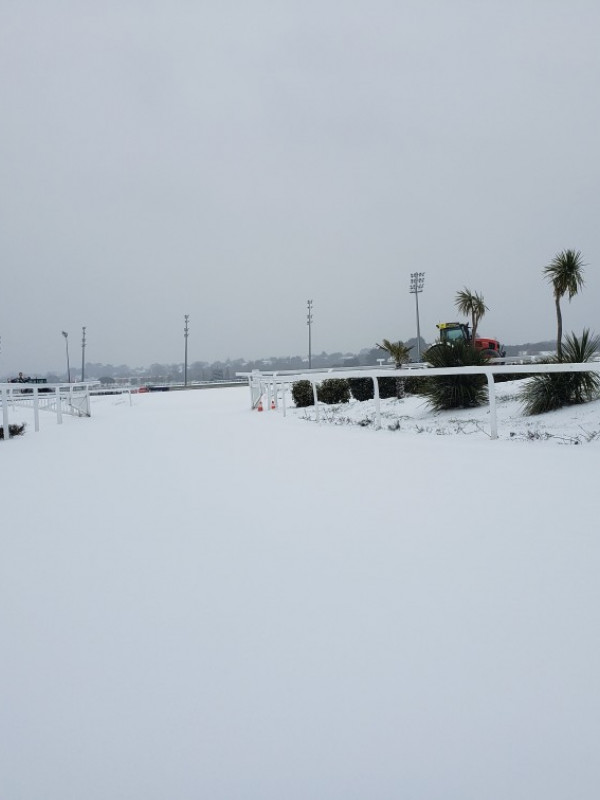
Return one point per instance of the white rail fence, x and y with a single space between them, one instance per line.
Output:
274 385
72 399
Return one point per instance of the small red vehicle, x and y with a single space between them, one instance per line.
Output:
460 332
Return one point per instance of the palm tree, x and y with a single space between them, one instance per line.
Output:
565 273
471 305
549 391
455 391
401 355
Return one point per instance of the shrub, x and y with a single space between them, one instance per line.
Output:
455 391
387 387
13 430
334 390
511 376
550 391
413 385
361 388
302 394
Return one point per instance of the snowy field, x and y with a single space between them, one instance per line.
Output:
574 425
201 601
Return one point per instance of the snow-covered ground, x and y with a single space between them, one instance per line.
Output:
201 601
573 425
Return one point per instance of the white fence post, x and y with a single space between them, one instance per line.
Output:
49 397
377 403
315 398
5 413
36 409
492 400
255 381
58 406
268 395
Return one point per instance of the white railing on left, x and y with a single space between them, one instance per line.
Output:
60 398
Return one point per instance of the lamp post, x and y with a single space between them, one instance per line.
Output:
417 281
66 335
309 319
83 353
186 333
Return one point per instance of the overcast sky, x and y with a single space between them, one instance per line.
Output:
230 160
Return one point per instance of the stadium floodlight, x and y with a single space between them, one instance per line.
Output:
82 353
66 335
417 281
186 333
309 319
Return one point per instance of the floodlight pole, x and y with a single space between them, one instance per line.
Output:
83 353
309 319
66 335
417 281
186 333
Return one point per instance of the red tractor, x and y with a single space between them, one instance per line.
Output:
460 332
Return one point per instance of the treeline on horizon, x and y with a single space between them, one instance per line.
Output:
226 370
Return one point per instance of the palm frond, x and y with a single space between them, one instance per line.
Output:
565 273
551 391
455 391
397 350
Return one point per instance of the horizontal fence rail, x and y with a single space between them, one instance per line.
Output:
274 384
72 399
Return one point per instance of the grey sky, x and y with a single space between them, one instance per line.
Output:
230 160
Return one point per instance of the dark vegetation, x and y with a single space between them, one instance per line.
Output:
455 391
550 391
302 394
13 430
361 388
339 390
333 391
330 392
388 387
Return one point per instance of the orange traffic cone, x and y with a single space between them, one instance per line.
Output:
273 404
259 407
